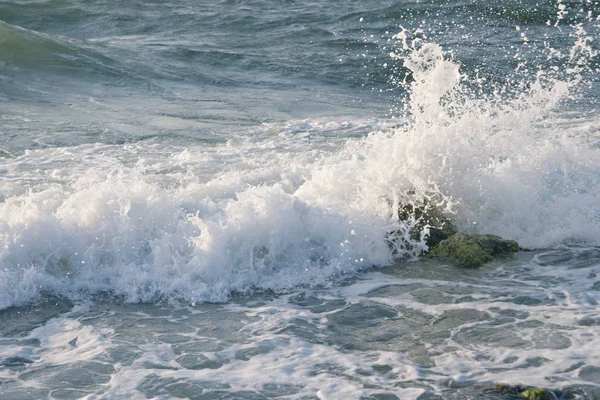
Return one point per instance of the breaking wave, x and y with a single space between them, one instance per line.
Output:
288 205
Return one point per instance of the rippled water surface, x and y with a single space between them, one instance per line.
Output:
423 330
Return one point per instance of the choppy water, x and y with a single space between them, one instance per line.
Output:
196 199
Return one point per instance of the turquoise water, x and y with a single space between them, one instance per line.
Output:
196 199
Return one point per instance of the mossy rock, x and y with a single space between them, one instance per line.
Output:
473 251
419 216
524 392
538 394
440 226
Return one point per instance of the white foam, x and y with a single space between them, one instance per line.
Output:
293 204
61 341
317 362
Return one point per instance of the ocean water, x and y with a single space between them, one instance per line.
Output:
200 199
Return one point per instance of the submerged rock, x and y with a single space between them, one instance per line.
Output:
508 389
472 251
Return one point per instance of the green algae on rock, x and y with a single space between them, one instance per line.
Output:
471 250
524 392
538 394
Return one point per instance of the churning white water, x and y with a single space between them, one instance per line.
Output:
289 205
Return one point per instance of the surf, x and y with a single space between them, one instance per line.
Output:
270 210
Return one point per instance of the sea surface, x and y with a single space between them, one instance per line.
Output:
200 199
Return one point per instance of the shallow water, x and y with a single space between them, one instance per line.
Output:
416 330
201 200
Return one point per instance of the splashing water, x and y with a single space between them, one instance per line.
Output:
270 210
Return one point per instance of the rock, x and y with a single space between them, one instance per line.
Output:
508 389
423 222
473 251
425 215
520 391
538 394
60 268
